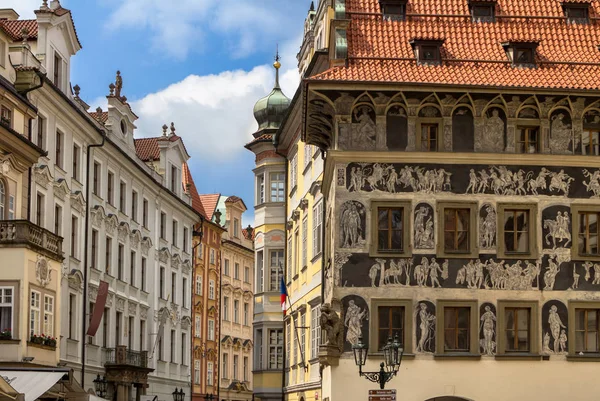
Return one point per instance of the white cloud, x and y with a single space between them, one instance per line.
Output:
24 8
179 27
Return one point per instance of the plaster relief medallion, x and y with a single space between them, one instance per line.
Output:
425 327
134 239
143 312
5 167
131 308
356 317
557 227
43 271
487 227
554 319
487 329
341 177
352 225
424 229
494 138
561 133
364 135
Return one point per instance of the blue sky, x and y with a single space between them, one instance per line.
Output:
199 63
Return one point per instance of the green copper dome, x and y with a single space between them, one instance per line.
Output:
270 110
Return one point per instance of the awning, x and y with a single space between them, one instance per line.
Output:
32 383
6 391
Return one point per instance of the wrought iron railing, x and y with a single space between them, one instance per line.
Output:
24 232
123 356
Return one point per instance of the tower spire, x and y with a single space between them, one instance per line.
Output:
277 66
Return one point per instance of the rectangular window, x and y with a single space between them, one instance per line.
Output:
118 332
246 314
307 154
235 367
59 149
391 323
40 201
290 253
120 261
590 142
260 271
57 78
94 255
96 179
225 365
105 328
142 335
90 339
122 197
174 175
209 374
184 284
317 229
236 311
108 254
130 326
41 133
226 267
145 213
175 231
57 219
456 230
516 231
429 132
315 331
74 236
134 205
587 330
110 182
390 229
277 187
294 172
198 285
185 239
259 350
211 289
588 233
34 313
132 260
528 140
517 329
143 274
73 316
246 274
236 228
288 343
276 349
245 368
260 189
198 327
212 257
226 308
161 289
211 330
304 262
49 315
163 225
276 268
76 163
173 346
456 329
196 372
236 271
159 345
302 337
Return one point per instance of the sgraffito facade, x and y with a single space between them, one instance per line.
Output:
461 212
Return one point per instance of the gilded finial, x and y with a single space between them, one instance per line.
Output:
277 64
165 128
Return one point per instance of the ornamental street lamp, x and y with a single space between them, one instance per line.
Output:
392 356
100 385
178 395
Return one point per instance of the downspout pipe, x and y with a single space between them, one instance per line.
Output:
85 254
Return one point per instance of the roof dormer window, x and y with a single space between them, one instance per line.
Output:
427 51
577 13
482 10
394 9
521 53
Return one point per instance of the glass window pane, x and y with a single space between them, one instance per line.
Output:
397 219
449 317
580 319
383 219
463 318
397 318
383 240
397 240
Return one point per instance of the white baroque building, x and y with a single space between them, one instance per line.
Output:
140 226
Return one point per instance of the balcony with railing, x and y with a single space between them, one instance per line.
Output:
16 233
125 357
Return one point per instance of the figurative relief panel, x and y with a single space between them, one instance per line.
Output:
561 133
383 177
494 138
556 223
425 326
487 227
487 329
554 329
424 227
364 130
352 225
356 321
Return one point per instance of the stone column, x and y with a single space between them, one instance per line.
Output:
511 132
447 129
412 132
381 141
545 137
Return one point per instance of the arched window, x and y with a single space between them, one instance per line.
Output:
590 141
463 130
2 200
396 128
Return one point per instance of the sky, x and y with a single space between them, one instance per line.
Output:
201 64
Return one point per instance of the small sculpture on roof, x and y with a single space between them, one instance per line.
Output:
44 5
118 84
172 129
111 87
98 109
76 90
165 128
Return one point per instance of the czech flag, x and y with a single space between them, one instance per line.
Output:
283 296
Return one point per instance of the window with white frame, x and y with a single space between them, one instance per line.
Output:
225 308
236 311
276 268
196 372
246 274
34 313
304 241
317 229
198 285
225 366
198 327
302 337
211 289
260 189
211 330
276 349
307 154
246 314
260 271
235 367
258 362
245 368
288 345
209 373
289 260
277 187
294 172
6 308
226 267
315 331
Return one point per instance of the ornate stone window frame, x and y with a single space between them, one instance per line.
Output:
534 330
473 328
474 237
406 238
573 307
533 227
407 304
575 226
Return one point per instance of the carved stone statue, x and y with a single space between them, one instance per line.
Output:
118 84
332 324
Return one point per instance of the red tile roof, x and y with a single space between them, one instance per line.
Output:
209 202
147 148
472 53
100 117
260 138
248 237
14 28
188 180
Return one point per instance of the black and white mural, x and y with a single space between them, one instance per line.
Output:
425 326
424 227
554 328
487 329
353 218
556 225
356 321
487 227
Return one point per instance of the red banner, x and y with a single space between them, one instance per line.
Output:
98 311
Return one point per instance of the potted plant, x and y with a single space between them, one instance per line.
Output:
50 341
36 339
6 334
